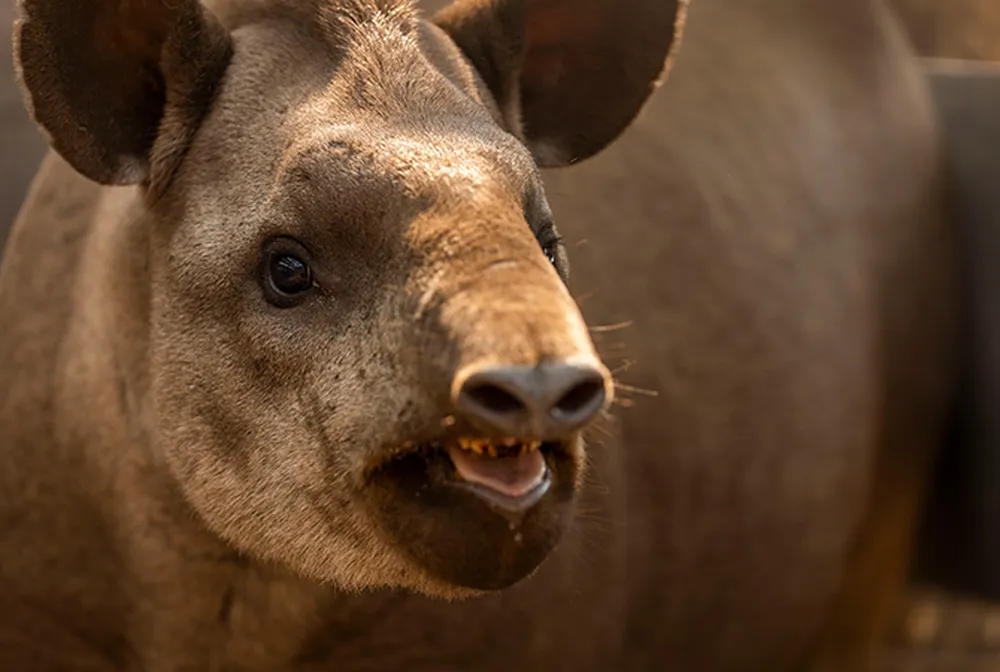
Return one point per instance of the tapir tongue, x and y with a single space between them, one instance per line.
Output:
513 476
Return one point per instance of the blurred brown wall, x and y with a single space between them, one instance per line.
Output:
21 146
968 29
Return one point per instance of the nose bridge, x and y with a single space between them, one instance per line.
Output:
513 312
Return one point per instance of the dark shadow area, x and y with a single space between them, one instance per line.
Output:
960 546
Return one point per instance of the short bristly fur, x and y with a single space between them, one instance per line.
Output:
196 479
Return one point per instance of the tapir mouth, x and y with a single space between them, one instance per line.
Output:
480 513
512 474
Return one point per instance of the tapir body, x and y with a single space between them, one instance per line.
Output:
764 261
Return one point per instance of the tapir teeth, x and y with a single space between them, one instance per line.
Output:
530 446
492 448
476 446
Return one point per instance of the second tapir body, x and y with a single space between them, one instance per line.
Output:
772 230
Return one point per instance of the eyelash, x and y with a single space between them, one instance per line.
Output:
549 246
549 240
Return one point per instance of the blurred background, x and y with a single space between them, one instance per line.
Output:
967 29
21 146
937 631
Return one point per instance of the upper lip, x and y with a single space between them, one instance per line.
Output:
492 446
435 452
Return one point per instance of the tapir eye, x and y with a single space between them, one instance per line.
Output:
552 247
550 251
290 275
287 277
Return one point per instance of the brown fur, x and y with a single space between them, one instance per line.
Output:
771 227
965 29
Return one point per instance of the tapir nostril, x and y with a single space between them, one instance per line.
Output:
582 401
547 400
495 399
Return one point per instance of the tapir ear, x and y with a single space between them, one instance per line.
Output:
119 86
571 75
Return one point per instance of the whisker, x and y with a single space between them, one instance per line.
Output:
637 390
605 328
595 523
600 428
594 484
591 550
625 366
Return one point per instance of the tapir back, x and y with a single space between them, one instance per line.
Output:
777 243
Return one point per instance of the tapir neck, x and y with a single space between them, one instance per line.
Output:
110 544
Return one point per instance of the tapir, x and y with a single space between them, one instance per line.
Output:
336 338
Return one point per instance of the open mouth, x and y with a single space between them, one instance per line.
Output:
476 512
511 474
